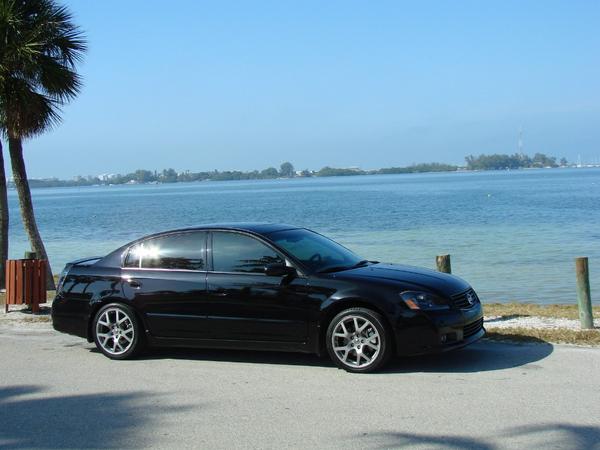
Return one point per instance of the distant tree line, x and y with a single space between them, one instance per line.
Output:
516 161
420 168
286 170
415 168
142 176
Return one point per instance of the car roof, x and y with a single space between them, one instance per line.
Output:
252 227
258 228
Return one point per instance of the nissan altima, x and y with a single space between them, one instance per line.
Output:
263 287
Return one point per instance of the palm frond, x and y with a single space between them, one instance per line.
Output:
26 112
57 81
40 47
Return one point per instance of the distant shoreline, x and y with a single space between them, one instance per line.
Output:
482 162
41 184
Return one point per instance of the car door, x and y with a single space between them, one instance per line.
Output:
244 302
165 278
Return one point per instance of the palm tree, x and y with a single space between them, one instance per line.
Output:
3 221
39 48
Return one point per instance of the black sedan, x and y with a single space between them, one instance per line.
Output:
267 287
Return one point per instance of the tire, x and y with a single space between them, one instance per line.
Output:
117 331
359 352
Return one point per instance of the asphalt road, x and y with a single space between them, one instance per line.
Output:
58 391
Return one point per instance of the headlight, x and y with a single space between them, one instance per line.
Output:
424 300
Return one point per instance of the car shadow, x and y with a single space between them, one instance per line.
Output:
482 356
104 420
237 356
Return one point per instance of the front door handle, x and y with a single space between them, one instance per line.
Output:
134 284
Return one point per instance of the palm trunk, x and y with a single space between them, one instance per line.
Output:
3 222
20 178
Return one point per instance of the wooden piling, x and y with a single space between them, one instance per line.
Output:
584 299
443 263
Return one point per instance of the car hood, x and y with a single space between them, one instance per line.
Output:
416 276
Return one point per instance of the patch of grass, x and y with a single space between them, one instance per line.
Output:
557 335
554 335
530 309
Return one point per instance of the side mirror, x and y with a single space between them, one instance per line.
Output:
279 270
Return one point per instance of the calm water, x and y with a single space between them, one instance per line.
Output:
513 235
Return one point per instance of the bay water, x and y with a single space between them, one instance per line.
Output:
512 234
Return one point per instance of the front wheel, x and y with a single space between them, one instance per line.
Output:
117 332
358 341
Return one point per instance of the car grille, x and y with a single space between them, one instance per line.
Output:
461 300
472 328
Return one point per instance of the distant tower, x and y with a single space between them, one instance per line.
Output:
520 141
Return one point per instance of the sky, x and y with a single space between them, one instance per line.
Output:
195 85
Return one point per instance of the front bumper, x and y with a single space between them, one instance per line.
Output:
420 332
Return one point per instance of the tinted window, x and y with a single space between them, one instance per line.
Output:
233 252
175 251
315 251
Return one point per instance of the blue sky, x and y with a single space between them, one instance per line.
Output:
243 85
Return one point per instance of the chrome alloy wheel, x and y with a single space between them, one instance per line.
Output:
355 341
115 331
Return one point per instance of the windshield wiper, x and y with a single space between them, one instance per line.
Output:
334 269
361 263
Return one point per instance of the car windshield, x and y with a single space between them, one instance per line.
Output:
317 252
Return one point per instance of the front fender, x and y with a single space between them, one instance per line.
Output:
385 299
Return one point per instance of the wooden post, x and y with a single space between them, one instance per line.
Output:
30 255
584 299
443 263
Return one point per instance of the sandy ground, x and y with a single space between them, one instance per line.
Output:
531 322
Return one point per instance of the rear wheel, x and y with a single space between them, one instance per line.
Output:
117 332
358 341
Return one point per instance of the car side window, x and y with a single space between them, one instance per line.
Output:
180 251
234 252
